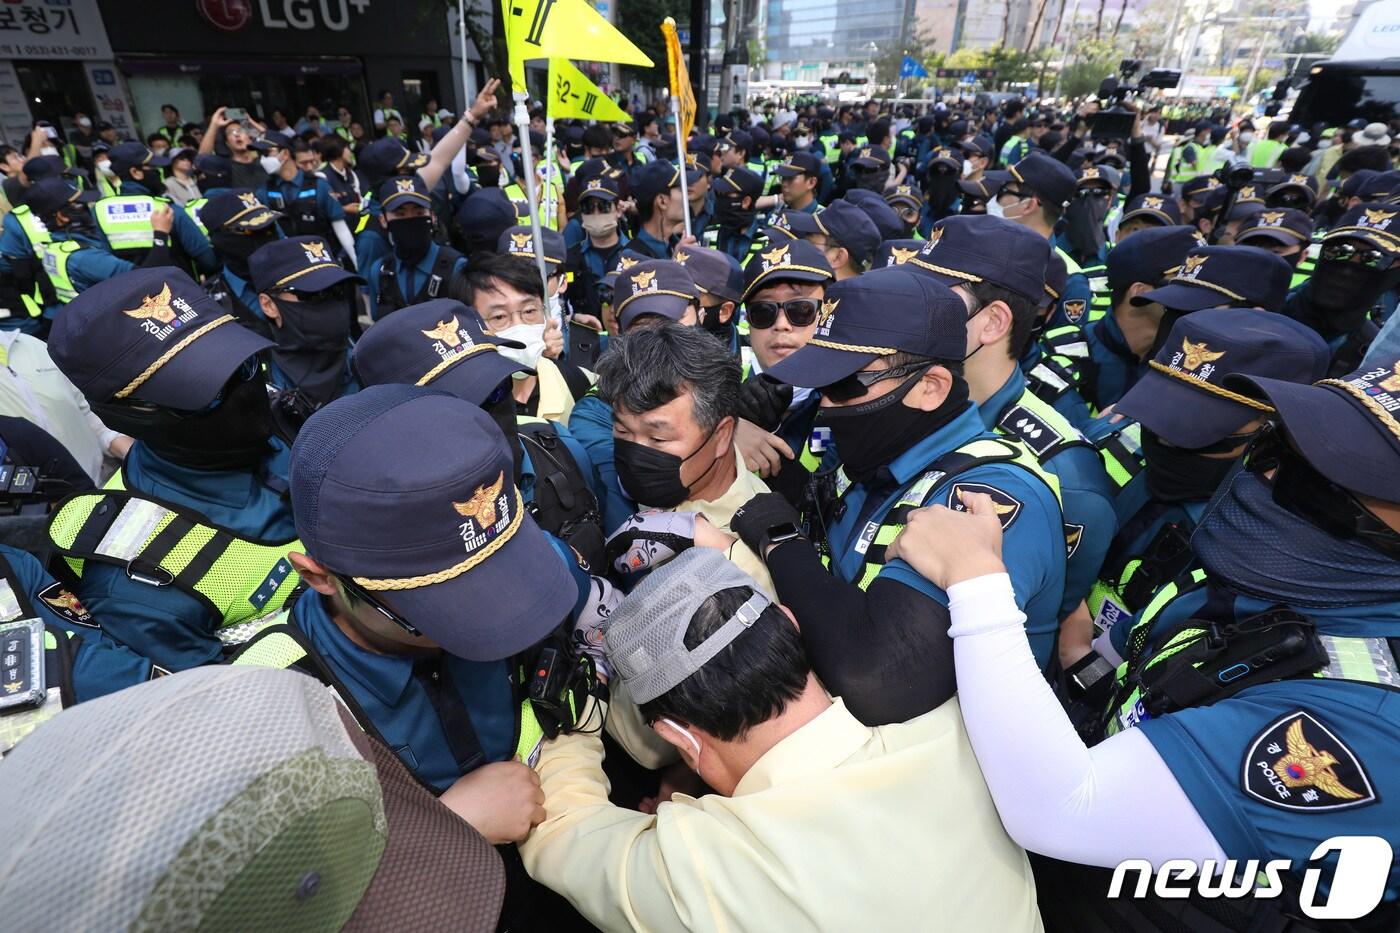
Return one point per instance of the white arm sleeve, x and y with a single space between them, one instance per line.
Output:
347 242
460 178
1056 796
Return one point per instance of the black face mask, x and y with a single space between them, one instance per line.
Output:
653 477
1343 293
80 219
873 434
710 323
1084 218
940 191
411 237
1175 474
311 345
233 436
730 215
235 248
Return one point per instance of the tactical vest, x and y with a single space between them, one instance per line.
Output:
434 286
192 211
55 257
952 464
564 504
1121 453
1068 346
60 647
38 236
302 217
239 581
518 196
1051 377
1101 296
125 220
1265 152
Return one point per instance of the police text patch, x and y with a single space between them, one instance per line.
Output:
66 605
1007 506
1298 764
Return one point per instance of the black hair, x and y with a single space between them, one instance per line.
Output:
651 366
1023 311
332 147
299 146
879 131
748 682
154 137
1294 160
1376 158
1014 107
170 107
486 269
1278 129
597 136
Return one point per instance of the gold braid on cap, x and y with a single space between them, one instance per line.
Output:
166 357
1212 389
1386 418
456 570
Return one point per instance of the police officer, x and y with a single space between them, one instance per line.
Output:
377 163
1144 211
736 229
441 344
418 268
79 662
843 232
303 197
595 252
125 219
886 220
189 539
888 365
1286 232
868 168
656 187
239 225
908 205
1085 237
720 280
802 177
998 269
1189 430
308 300
1194 194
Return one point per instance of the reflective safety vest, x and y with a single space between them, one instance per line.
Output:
19 723
105 186
954 463
125 220
521 199
1265 152
1101 299
1045 433
238 580
1181 172
1121 453
192 211
282 645
38 236
1068 344
831 143
55 258
1051 377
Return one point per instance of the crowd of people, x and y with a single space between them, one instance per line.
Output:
839 518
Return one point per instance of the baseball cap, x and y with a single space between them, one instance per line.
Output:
305 263
411 492
945 156
1181 396
1211 276
1157 207
439 343
54 194
237 210
886 221
386 157
520 241
1286 225
655 286
151 334
904 196
487 213
402 190
41 168
846 222
1250 194
800 163
984 188
739 139
1150 255
715 273
738 181
600 186
232 797
1374 223
1351 187
659 177
961 250
975 145
896 252
872 156
645 637
216 170
1198 186
1345 428
1098 175
1047 176
879 313
1056 279
127 156
1304 183
786 261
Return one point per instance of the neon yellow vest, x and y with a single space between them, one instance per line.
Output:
125 220
38 236
55 258
192 211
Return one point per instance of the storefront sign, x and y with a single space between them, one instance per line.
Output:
52 29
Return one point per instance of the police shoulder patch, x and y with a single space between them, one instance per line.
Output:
1031 430
1074 309
1008 507
1073 535
1296 763
63 603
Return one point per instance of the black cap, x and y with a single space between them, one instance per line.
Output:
439 343
896 252
520 241
1212 276
738 181
1345 428
603 187
904 196
715 273
945 156
403 190
1150 255
1198 186
849 224
738 139
657 178
1157 207
237 210
871 156
883 216
1182 395
1098 175
657 286
40 168
1304 183
800 163
1252 193
217 171
387 157
1351 188
305 263
134 155
788 261
1374 223
1376 187
487 212
53 194
1047 176
962 249
977 145
150 334
1286 225
882 312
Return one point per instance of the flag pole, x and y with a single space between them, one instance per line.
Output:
462 35
522 128
550 161
680 149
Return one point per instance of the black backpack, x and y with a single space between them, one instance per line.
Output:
564 505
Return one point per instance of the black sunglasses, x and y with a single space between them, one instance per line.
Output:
1343 252
857 384
363 595
337 292
595 206
1299 488
799 312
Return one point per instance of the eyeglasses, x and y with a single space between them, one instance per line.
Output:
1013 193
595 206
857 384
339 292
1344 252
360 593
1299 488
1092 193
799 312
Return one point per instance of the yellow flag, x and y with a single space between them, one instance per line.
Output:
680 82
562 29
571 94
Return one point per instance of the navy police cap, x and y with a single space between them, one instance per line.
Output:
962 250
304 263
1215 276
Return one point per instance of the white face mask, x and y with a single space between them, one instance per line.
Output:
1302 139
1324 144
532 335
270 164
85 123
994 208
105 167
555 308
802 142
968 168
1246 138
48 151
